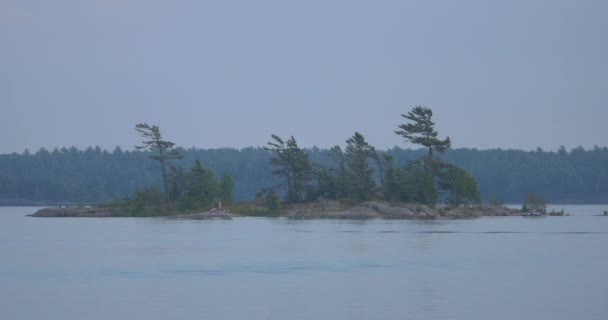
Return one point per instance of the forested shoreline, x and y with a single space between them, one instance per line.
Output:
71 175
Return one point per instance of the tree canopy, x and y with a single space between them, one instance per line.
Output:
457 187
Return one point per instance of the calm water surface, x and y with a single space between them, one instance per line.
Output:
257 268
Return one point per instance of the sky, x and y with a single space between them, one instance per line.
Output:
517 74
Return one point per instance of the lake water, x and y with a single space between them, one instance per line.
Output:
259 268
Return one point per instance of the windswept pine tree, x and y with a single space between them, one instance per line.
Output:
432 178
421 130
153 141
293 165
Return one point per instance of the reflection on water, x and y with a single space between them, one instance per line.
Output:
256 268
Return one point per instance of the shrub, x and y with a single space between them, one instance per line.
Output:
558 213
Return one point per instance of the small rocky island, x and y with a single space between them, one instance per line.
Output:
341 190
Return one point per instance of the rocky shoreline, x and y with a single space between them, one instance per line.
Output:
92 212
84 212
372 210
213 214
316 210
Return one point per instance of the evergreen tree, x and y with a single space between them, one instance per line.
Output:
332 182
340 176
416 183
457 186
226 185
154 142
359 176
326 183
421 131
177 182
392 188
384 162
201 186
272 201
293 165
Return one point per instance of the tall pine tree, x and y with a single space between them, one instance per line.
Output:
153 141
421 130
360 180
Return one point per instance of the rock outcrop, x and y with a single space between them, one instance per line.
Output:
54 212
89 212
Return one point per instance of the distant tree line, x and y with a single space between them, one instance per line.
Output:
71 175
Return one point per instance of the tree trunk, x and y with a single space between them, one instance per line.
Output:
382 178
164 172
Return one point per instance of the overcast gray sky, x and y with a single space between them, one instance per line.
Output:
509 74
